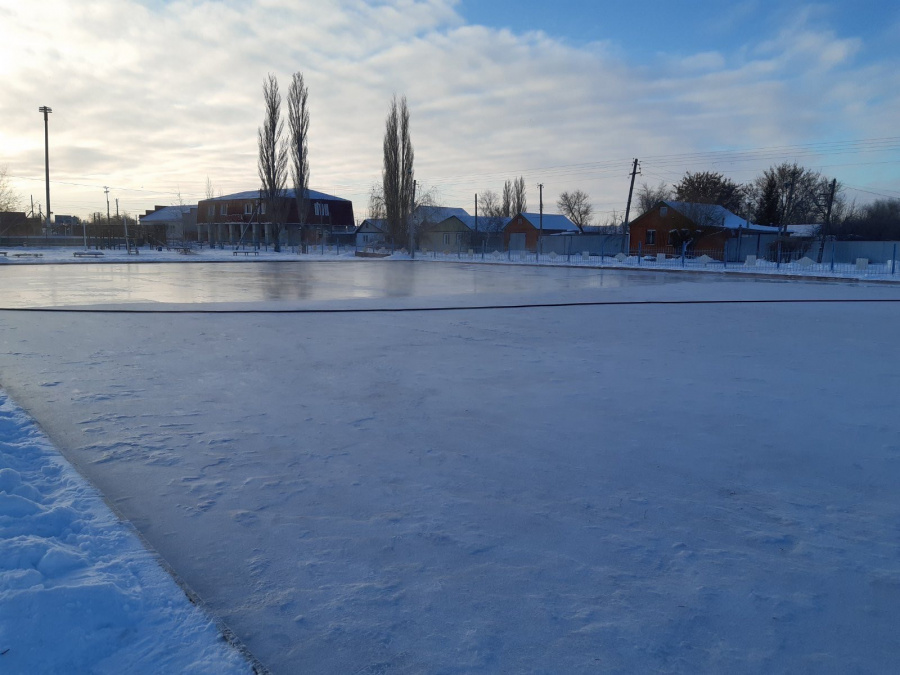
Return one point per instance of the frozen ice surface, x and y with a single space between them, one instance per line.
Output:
682 488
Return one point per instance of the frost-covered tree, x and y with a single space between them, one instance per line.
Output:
273 160
648 196
576 206
490 215
9 199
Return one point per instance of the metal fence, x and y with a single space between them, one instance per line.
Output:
773 261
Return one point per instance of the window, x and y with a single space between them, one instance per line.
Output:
211 212
459 237
262 207
223 210
447 239
248 209
663 211
321 209
651 237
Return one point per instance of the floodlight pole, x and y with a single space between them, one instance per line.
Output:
46 110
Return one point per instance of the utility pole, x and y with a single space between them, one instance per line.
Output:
830 203
411 223
108 224
540 240
626 239
476 213
826 228
46 110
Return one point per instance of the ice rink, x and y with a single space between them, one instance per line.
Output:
607 488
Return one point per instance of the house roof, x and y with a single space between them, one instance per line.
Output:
551 221
718 216
806 230
469 221
289 193
435 214
372 225
167 214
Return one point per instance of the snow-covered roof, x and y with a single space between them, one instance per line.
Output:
435 214
289 193
805 230
168 214
550 221
372 225
713 215
483 221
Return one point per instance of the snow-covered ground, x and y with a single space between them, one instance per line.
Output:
633 488
78 591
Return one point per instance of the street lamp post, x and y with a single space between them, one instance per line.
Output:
46 110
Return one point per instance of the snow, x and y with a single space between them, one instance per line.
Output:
78 592
634 488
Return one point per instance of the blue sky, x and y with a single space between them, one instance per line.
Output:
642 31
152 97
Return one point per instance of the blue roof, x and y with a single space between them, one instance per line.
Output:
717 216
551 221
167 214
483 221
289 193
435 214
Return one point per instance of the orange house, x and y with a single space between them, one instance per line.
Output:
524 229
670 225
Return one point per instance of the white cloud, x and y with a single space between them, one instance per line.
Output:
162 95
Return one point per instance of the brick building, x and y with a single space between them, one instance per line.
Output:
242 218
706 228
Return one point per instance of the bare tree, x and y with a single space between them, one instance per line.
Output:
210 192
710 187
612 223
491 211
273 160
9 199
298 124
397 174
576 206
376 202
518 204
789 194
648 196
506 201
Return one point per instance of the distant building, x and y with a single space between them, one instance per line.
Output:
670 225
524 229
370 232
241 218
66 225
16 224
171 223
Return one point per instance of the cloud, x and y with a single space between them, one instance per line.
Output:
164 94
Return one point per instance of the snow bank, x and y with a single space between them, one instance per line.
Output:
78 592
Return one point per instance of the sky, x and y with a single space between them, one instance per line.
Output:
153 98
